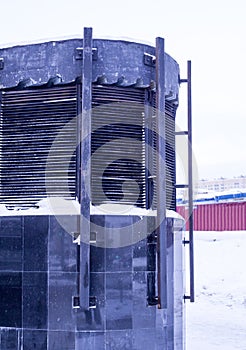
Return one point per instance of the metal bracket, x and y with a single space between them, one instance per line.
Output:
149 60
92 302
79 53
1 63
93 237
152 301
76 302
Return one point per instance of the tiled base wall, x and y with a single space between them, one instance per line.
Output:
39 278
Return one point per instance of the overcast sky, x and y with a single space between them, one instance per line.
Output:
209 33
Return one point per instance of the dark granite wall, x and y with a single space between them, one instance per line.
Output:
39 278
23 282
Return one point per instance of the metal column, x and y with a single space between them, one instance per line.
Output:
85 157
161 175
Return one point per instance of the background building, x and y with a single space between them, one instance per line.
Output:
222 183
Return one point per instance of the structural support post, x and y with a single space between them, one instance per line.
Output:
85 174
161 175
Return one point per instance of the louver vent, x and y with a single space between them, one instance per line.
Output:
38 137
30 122
170 112
118 146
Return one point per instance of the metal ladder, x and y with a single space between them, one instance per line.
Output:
189 185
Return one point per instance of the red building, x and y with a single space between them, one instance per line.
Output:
228 216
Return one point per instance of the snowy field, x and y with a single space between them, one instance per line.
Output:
217 319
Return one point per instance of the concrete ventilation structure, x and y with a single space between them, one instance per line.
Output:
88 127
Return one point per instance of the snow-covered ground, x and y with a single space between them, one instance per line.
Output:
217 319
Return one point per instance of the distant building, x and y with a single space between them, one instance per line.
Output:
219 205
222 183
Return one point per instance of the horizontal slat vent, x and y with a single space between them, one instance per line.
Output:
170 112
30 122
118 146
36 163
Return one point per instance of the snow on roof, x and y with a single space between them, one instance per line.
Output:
61 206
47 206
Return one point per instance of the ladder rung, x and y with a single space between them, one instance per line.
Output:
181 133
182 186
183 81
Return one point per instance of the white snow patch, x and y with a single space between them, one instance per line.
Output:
123 209
47 206
61 206
217 318
120 209
173 214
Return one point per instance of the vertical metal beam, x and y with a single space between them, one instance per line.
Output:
85 156
190 176
1 135
161 175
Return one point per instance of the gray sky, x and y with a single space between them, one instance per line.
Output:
209 33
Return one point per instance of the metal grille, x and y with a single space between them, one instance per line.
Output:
32 124
38 142
118 146
170 112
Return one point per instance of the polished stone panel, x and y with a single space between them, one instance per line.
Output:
62 250
35 297
11 253
139 262
90 340
94 318
119 303
11 226
97 290
120 340
144 339
34 339
142 314
62 288
10 299
119 259
35 243
97 259
61 340
10 339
